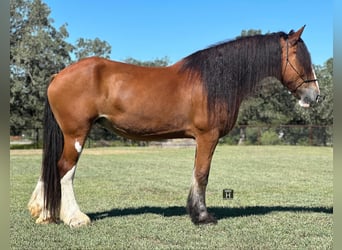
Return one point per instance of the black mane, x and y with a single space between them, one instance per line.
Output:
231 70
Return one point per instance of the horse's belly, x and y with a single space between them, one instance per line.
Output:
145 128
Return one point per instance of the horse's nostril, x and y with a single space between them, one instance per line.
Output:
307 99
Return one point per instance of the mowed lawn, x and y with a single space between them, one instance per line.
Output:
283 199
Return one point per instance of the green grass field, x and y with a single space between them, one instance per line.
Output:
283 199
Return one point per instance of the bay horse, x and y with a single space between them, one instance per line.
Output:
198 97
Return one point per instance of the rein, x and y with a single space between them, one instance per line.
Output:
293 67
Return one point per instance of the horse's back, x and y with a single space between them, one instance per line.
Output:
98 75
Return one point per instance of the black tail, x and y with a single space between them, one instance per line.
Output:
52 150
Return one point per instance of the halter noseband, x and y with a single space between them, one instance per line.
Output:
295 70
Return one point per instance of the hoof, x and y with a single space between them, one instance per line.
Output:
75 223
200 216
35 210
79 220
205 219
44 221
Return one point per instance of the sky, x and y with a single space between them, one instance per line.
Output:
146 30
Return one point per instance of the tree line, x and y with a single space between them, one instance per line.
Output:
38 50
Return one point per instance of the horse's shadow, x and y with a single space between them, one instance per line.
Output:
218 212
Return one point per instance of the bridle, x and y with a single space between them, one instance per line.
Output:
295 70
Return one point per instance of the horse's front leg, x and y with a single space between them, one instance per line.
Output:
196 205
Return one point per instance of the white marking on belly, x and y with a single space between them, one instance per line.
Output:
78 146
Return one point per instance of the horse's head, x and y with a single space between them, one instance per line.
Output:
298 74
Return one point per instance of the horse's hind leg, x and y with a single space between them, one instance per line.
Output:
196 206
70 212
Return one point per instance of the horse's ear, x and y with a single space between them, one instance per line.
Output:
295 36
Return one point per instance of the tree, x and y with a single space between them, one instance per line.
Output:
250 32
38 50
87 47
158 62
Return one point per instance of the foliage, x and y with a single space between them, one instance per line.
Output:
270 105
158 62
283 199
270 137
250 32
37 50
87 47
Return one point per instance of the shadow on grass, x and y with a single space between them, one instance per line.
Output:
218 212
